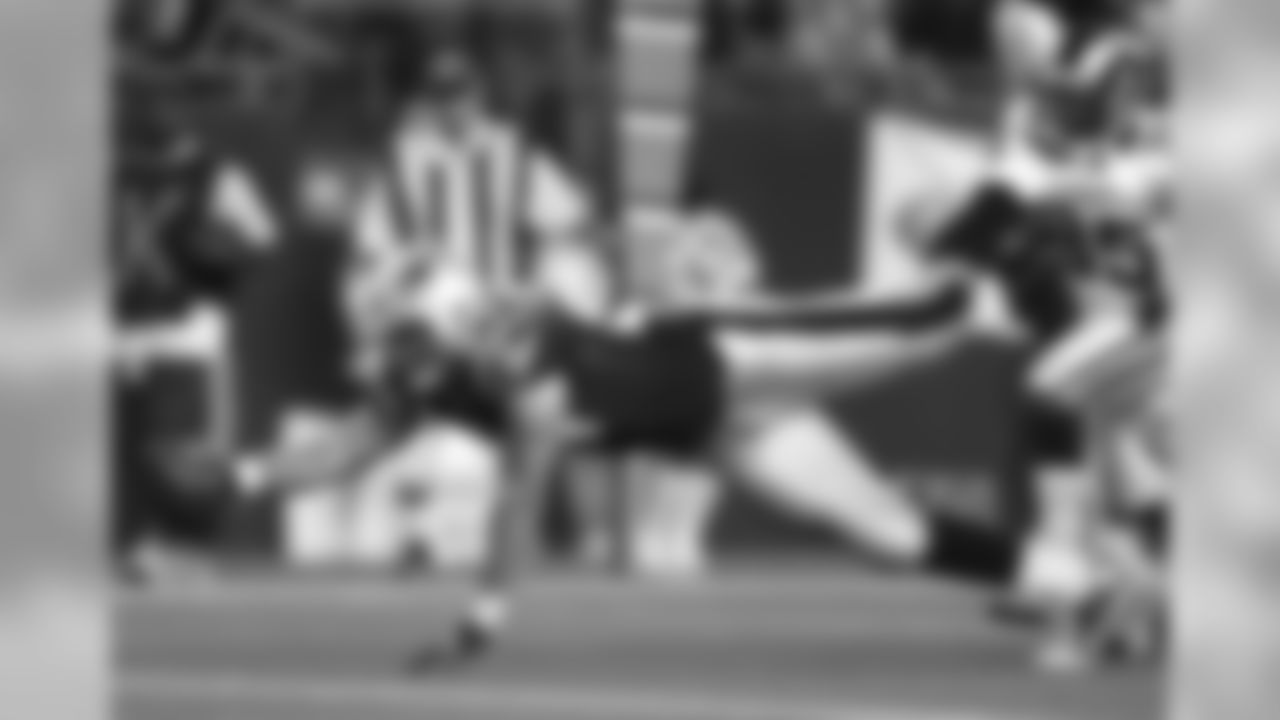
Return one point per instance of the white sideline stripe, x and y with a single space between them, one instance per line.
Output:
390 593
506 699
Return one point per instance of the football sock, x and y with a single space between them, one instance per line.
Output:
968 551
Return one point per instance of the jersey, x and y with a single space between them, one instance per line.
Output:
1124 257
1040 255
168 257
952 31
478 200
1033 255
660 388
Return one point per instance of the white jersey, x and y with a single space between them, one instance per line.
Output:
465 209
470 201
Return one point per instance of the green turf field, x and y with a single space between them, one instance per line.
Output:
790 645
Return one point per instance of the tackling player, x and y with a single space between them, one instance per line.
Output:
707 384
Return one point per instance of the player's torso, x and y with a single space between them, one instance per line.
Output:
658 388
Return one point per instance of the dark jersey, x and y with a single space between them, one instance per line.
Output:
1125 258
1041 255
952 31
168 255
449 391
661 388
1033 255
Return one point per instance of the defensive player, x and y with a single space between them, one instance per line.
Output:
708 384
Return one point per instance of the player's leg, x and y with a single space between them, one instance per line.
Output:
1071 440
837 486
1136 469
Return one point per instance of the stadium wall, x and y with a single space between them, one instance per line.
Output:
816 184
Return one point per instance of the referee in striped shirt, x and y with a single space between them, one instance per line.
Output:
465 186
458 187
460 191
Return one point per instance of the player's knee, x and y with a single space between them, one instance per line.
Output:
1055 433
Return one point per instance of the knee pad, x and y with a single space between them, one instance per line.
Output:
1054 434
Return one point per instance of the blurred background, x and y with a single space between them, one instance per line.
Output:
654 106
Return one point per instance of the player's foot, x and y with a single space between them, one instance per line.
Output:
1132 628
1062 582
480 628
473 640
1119 623
1070 636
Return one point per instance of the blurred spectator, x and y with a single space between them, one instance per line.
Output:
736 30
169 31
187 226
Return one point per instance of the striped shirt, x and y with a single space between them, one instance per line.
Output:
477 201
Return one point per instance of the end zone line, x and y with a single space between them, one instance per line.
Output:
515 700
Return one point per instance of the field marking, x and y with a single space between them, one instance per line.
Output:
380 592
515 700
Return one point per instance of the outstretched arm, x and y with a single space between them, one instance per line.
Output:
934 302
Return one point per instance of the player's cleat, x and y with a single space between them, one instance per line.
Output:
473 640
481 627
1063 584
1132 626
1069 643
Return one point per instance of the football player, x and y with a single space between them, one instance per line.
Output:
716 383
